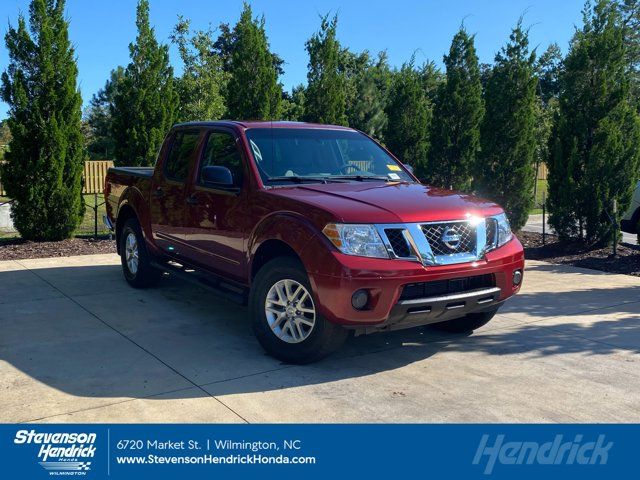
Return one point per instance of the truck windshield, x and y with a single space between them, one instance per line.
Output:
285 155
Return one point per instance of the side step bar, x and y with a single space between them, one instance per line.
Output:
235 293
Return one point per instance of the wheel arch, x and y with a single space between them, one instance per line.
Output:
133 205
268 250
284 234
125 212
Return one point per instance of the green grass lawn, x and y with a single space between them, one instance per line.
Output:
541 192
86 227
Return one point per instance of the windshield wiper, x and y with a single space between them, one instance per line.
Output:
362 178
298 179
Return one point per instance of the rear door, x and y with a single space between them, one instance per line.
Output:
216 215
168 192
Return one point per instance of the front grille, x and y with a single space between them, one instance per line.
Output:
460 237
413 291
398 242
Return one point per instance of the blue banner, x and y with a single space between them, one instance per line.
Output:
318 451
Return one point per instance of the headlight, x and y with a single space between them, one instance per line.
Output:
356 239
504 233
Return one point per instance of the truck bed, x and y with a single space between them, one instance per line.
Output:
145 172
135 182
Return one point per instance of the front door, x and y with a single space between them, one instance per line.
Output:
216 214
168 192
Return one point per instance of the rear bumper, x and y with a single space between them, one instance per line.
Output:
385 280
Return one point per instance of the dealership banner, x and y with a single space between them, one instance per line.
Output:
318 451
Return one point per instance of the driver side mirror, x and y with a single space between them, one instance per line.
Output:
221 176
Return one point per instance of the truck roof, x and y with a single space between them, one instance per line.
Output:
260 124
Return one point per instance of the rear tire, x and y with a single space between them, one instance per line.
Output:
285 318
136 262
466 324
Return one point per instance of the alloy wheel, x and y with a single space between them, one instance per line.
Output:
290 311
131 253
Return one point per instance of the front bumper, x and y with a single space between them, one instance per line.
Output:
424 311
386 279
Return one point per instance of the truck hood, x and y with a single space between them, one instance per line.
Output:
377 202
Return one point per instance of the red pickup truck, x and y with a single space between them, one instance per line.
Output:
318 228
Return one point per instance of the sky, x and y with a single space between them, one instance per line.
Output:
101 30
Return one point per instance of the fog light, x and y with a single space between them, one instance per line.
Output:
359 299
517 277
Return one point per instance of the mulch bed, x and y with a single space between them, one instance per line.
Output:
18 249
626 262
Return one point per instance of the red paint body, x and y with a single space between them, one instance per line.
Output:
223 231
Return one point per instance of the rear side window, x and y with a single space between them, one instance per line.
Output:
182 148
221 151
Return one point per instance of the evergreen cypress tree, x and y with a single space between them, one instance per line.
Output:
506 168
253 91
630 19
145 102
458 112
43 173
325 100
98 120
548 70
352 67
366 108
203 79
409 112
293 104
594 156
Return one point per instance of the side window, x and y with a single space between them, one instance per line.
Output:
221 150
182 148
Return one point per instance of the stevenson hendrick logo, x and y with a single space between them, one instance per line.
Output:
61 453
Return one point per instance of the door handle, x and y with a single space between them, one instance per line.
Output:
158 192
192 200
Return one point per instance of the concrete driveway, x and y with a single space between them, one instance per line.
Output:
78 345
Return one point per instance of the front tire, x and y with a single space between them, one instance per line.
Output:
285 317
466 324
136 262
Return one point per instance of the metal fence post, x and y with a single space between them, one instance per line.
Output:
95 216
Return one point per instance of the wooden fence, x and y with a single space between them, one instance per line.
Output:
94 173
542 172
